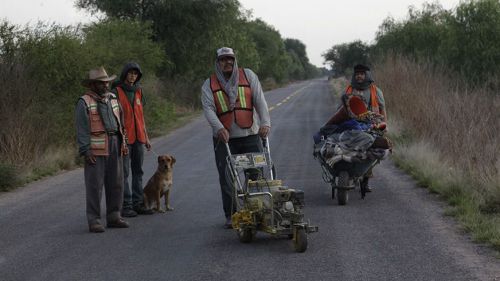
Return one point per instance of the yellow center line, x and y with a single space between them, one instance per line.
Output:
288 98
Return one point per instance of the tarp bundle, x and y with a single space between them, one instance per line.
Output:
352 141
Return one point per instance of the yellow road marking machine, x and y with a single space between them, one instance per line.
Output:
263 203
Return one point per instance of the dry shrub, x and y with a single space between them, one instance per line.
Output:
269 84
185 91
22 139
463 124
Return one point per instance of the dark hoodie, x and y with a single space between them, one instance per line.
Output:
129 90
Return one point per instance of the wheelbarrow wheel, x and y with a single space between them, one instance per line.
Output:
342 196
246 235
342 193
300 240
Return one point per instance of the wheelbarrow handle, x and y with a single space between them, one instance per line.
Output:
228 149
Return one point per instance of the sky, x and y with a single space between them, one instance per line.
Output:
319 24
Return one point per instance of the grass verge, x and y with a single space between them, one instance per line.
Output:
457 188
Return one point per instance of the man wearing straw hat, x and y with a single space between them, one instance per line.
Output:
102 142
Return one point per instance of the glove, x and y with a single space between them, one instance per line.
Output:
317 137
379 126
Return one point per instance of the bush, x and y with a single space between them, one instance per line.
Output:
461 123
465 39
8 178
158 109
41 69
113 43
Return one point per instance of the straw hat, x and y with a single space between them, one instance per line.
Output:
98 74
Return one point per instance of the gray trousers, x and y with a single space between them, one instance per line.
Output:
107 172
132 195
248 144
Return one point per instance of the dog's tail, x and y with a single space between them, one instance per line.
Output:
145 200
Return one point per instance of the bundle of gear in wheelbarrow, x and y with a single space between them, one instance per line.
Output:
348 151
354 141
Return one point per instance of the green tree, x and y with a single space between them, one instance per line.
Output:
343 57
188 30
419 36
297 50
472 42
112 43
465 39
296 70
270 48
42 68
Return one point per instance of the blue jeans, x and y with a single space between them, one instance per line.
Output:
132 194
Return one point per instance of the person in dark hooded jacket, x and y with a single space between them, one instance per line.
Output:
362 84
131 98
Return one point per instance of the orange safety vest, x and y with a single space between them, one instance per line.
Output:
242 113
373 97
133 116
98 136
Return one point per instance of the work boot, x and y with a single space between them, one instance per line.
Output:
96 228
141 210
129 213
365 186
119 223
228 224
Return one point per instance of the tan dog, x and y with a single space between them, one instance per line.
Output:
160 184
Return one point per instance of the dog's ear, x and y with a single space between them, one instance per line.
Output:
173 159
159 159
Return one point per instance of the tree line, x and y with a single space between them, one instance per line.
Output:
464 39
174 41
190 31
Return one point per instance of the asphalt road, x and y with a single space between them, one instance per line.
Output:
399 232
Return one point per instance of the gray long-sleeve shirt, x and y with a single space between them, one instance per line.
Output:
260 113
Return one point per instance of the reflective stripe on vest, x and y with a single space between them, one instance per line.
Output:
373 97
242 113
133 116
98 137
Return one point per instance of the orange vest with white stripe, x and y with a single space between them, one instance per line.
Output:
133 116
373 97
98 136
242 113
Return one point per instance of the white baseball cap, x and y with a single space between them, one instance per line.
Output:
225 52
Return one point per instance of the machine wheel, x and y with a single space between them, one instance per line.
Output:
246 235
342 193
300 240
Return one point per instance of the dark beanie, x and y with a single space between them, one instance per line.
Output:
361 68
